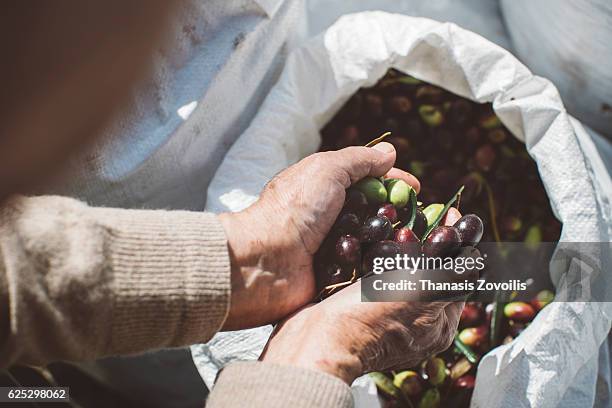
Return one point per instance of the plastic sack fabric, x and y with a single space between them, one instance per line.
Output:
540 366
570 42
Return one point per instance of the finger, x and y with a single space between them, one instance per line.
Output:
407 177
359 162
451 217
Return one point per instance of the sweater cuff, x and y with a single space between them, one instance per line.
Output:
170 277
259 384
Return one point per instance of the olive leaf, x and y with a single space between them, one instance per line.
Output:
412 205
442 213
466 350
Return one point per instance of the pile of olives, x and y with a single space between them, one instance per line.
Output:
447 142
382 218
448 379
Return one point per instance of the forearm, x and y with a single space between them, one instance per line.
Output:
79 283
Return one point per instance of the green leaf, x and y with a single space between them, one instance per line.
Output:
466 350
412 205
442 214
496 323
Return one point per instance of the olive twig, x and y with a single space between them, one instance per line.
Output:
491 201
377 140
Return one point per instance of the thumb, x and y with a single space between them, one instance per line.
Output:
358 162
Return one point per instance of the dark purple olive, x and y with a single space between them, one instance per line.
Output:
420 223
356 203
382 249
471 315
442 241
460 113
373 105
348 137
405 235
348 250
389 211
466 382
408 241
400 105
485 157
470 229
376 229
347 223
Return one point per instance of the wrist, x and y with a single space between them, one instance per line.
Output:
307 343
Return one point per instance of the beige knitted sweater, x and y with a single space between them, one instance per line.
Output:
78 283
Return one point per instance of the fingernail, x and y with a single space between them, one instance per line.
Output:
384 147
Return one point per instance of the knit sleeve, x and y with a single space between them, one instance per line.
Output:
79 283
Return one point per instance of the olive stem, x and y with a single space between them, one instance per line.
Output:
491 202
377 140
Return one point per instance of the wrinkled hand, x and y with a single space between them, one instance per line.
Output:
272 243
346 337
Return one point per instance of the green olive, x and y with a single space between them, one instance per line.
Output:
432 211
436 370
409 383
431 399
431 115
398 192
374 190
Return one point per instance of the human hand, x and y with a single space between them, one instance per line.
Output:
272 242
346 337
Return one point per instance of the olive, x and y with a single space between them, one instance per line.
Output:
405 235
485 157
470 228
382 249
543 298
431 115
376 229
373 105
489 121
431 399
466 382
409 383
402 146
533 237
420 223
460 113
519 311
400 105
373 189
435 368
347 223
497 135
348 250
429 94
348 137
511 224
356 203
432 211
389 211
474 336
442 241
471 315
398 192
